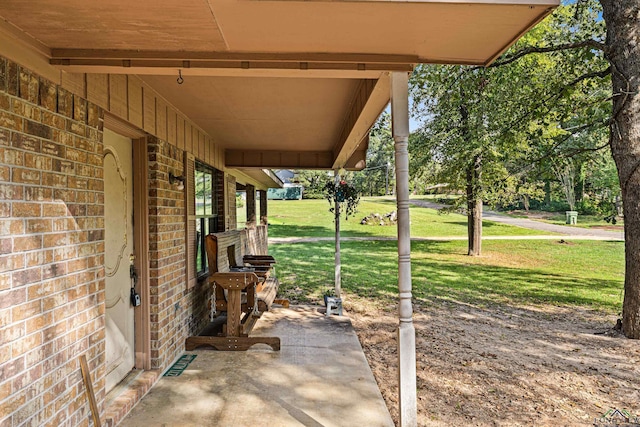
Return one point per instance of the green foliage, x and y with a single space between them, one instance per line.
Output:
345 195
378 177
313 183
239 200
546 101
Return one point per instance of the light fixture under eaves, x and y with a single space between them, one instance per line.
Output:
176 180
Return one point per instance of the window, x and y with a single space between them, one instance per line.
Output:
206 212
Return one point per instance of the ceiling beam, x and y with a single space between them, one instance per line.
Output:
223 67
87 54
227 63
268 159
371 97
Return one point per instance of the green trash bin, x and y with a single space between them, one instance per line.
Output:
572 217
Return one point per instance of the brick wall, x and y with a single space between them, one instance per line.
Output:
52 284
251 204
51 250
176 312
264 220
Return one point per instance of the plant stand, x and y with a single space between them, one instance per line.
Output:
334 306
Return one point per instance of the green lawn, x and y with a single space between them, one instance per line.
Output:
311 218
586 273
560 218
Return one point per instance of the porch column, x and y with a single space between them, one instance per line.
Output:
338 263
406 330
262 194
251 205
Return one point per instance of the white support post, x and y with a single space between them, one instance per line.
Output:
406 330
338 263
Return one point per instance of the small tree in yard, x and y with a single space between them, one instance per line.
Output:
565 172
341 197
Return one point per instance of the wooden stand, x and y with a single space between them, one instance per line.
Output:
231 343
235 334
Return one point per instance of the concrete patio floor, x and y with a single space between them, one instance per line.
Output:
320 377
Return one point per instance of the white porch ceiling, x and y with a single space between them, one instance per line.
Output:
282 83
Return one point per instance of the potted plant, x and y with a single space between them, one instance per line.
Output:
343 193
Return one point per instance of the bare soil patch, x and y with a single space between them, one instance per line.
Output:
505 366
608 227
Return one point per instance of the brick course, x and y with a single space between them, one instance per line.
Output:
52 287
176 312
52 300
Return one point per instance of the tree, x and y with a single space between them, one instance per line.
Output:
313 182
378 177
489 128
622 50
581 104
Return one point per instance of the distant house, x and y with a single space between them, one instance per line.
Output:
286 176
288 192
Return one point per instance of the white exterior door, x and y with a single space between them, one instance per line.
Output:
118 202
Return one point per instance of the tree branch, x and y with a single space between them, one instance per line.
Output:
557 95
536 49
575 152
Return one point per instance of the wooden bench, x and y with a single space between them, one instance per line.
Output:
242 292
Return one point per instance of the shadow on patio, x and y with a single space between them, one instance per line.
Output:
320 377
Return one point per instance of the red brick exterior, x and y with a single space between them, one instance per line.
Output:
175 312
52 298
51 250
251 205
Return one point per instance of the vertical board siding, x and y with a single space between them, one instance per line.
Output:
134 92
118 95
98 89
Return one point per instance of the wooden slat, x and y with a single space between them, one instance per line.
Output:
86 376
201 145
118 95
188 132
98 89
172 126
74 83
134 92
161 119
148 110
180 132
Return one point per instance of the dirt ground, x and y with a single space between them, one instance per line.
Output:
505 366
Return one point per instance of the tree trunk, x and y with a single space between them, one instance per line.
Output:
547 193
474 202
579 183
623 52
474 207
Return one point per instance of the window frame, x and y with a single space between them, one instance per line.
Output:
206 217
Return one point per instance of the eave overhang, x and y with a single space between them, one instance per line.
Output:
278 84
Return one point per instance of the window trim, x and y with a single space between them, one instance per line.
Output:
212 217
